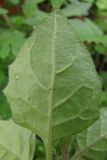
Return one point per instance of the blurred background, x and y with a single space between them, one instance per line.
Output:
17 19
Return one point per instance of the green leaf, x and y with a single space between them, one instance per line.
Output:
92 1
32 14
102 4
54 89
14 1
15 142
95 137
3 11
5 50
104 99
29 8
17 20
76 9
104 79
38 1
5 112
103 40
95 155
3 79
35 20
11 42
87 30
57 3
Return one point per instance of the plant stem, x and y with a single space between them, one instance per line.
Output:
49 151
56 158
7 20
65 152
77 157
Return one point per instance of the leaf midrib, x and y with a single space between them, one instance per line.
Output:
49 146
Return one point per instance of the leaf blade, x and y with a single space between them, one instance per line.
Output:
94 139
52 72
15 141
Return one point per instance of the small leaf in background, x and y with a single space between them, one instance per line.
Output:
5 112
104 79
38 1
100 46
17 40
4 51
3 11
101 4
3 79
76 8
95 155
29 8
11 42
35 20
57 3
14 1
17 20
87 30
89 1
104 98
15 142
33 15
95 137
103 40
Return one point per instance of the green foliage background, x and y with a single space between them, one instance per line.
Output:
19 17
